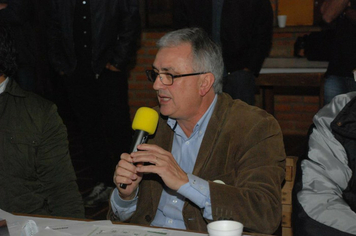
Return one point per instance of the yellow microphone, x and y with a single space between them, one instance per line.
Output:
145 124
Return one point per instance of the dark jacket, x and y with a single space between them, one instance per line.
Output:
243 147
343 47
324 196
246 29
36 172
246 34
115 31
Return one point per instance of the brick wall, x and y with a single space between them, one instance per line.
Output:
293 112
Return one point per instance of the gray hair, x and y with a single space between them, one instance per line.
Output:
207 55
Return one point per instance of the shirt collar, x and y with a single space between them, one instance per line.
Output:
202 123
3 85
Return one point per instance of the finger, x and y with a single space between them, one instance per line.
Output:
148 169
151 147
126 157
146 157
126 166
126 174
118 179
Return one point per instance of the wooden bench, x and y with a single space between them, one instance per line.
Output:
291 165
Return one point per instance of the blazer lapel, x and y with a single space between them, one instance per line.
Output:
211 134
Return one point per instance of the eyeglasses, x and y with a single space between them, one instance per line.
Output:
167 78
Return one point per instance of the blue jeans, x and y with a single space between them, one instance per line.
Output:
335 85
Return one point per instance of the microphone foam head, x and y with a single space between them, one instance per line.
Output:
145 119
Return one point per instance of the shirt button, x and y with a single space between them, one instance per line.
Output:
170 221
187 142
84 32
85 46
84 2
148 218
175 201
84 17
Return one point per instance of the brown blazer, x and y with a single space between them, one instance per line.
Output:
243 147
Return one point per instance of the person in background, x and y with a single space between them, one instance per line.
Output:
243 29
36 172
92 43
324 195
211 158
19 14
340 77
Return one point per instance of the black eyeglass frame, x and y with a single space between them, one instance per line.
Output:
149 77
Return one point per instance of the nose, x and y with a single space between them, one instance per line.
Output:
157 85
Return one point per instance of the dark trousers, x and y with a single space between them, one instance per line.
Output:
102 113
240 85
26 78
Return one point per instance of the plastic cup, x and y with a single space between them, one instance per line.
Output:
282 19
225 228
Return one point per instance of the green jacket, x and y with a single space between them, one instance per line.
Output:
36 173
243 147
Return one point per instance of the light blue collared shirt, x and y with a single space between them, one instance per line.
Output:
185 151
3 85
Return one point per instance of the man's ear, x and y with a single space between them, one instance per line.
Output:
206 84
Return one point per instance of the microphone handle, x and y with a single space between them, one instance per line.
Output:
140 137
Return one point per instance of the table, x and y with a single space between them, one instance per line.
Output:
58 226
286 73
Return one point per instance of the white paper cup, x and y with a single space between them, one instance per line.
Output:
225 228
282 19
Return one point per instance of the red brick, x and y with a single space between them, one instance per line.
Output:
141 77
282 107
304 126
288 99
151 43
141 51
140 68
136 86
293 132
282 35
279 52
137 103
287 116
154 35
145 95
283 43
287 126
312 108
152 51
145 60
311 99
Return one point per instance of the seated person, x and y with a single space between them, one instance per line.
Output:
325 191
211 158
36 172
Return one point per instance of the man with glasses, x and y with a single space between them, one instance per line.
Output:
211 157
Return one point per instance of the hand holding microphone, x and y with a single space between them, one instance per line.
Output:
145 124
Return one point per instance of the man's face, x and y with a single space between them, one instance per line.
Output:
181 100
